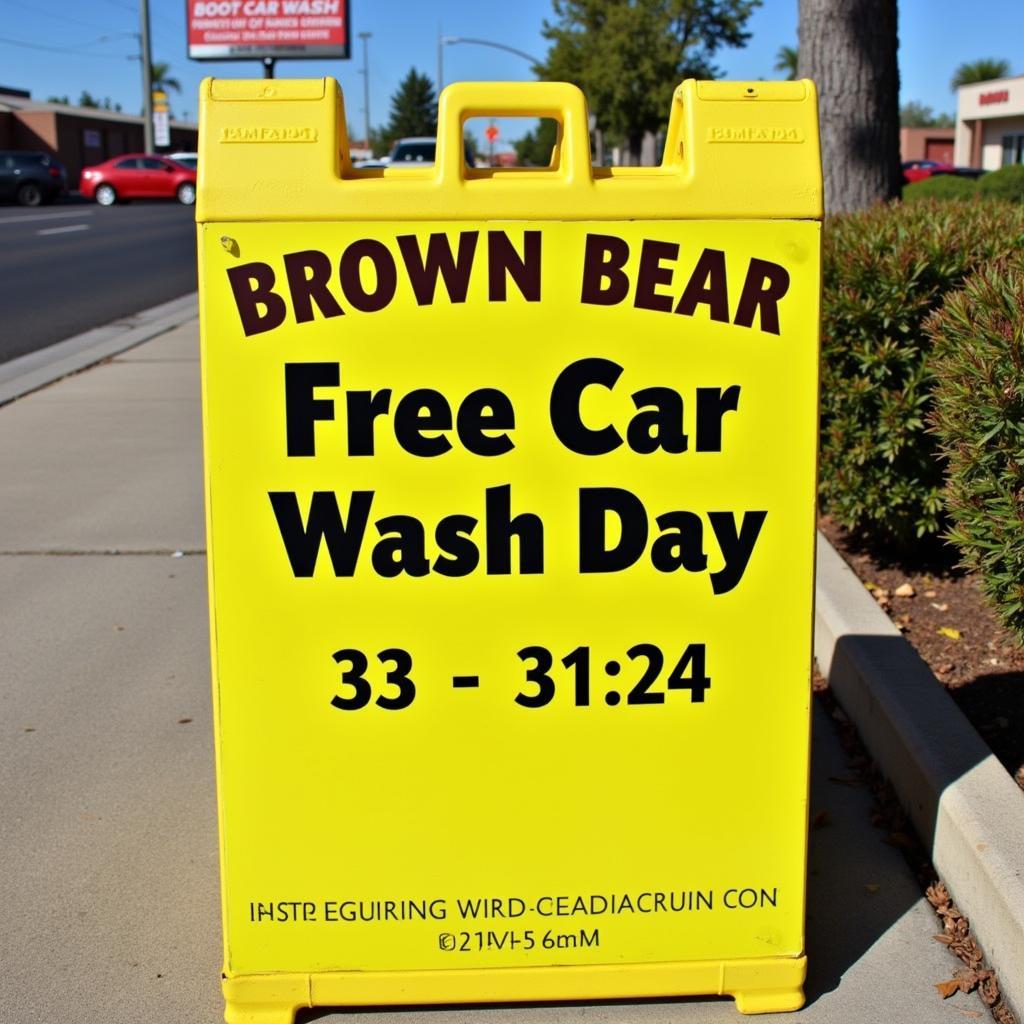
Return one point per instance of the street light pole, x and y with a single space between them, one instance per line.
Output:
146 57
452 40
366 86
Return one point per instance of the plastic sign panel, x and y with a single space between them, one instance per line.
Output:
511 488
161 119
254 29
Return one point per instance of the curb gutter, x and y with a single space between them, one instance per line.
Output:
967 810
35 370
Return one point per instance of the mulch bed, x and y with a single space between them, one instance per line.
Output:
944 614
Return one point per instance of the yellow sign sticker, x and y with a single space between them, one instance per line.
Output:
511 538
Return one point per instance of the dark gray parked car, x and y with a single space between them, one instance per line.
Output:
30 179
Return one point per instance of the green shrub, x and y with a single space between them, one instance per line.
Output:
978 417
1006 183
940 186
884 271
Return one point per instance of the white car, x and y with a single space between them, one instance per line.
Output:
416 152
189 160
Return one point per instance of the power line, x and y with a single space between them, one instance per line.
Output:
176 24
53 14
65 49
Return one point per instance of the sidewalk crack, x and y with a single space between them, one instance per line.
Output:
80 552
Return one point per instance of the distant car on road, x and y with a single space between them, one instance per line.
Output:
138 176
969 172
190 160
30 179
418 151
918 170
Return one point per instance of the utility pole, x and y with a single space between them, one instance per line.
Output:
366 86
440 60
146 56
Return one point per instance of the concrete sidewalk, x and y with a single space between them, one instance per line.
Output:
108 864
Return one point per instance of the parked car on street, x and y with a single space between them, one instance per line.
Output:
918 170
416 152
186 159
138 176
30 179
969 172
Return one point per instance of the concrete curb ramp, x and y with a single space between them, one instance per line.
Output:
965 807
35 370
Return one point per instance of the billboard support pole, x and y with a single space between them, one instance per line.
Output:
268 67
146 58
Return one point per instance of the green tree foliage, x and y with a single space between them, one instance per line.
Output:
413 112
978 418
378 141
884 271
1006 183
940 186
917 115
534 148
786 61
86 99
59 99
161 77
983 70
629 55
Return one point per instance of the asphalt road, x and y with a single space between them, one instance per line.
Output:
74 265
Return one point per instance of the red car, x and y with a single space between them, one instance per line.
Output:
138 176
918 170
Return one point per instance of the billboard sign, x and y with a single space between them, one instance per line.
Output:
254 29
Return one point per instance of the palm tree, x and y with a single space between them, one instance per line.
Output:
161 78
983 70
786 60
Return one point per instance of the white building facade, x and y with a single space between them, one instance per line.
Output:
990 124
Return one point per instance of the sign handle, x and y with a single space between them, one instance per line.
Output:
560 101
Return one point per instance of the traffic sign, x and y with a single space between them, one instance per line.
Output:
510 496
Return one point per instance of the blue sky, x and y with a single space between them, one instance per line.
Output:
91 44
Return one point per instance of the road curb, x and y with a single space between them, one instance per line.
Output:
35 370
967 810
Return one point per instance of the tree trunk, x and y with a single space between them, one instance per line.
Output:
635 144
848 47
